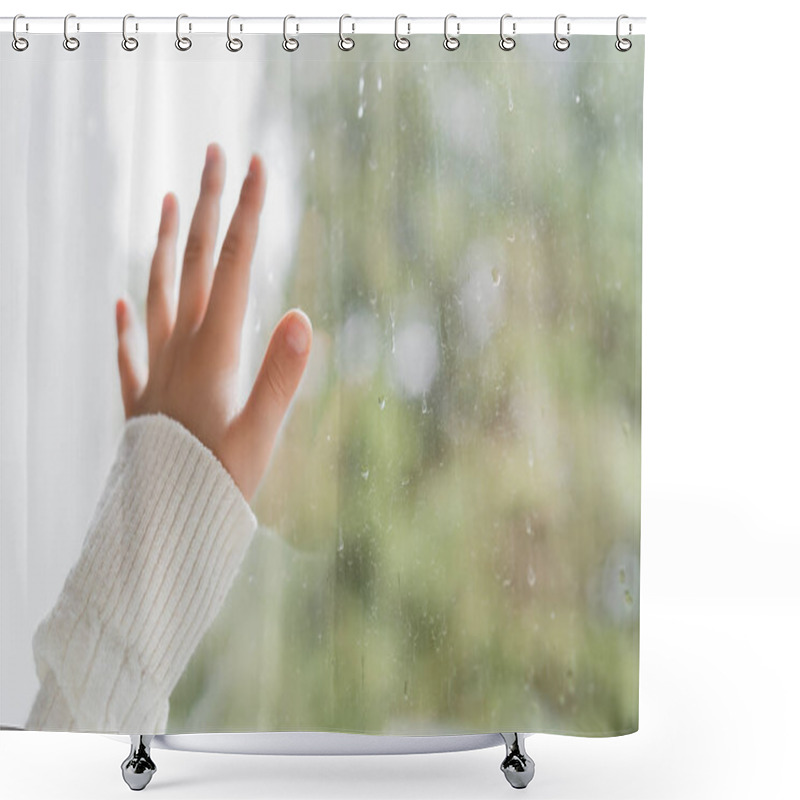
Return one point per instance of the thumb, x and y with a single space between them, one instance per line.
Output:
131 382
275 385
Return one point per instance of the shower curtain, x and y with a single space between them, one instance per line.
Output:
446 537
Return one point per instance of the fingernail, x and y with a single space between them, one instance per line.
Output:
252 167
210 152
297 336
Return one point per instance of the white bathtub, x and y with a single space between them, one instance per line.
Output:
319 743
138 768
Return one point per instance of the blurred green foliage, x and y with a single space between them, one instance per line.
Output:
451 539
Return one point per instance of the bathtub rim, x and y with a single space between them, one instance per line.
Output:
291 743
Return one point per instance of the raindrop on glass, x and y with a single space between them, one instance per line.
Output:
510 101
365 473
381 403
531 576
496 276
341 540
530 457
577 98
360 110
622 576
424 403
628 598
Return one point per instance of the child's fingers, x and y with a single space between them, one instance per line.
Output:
161 291
275 385
198 259
131 382
227 303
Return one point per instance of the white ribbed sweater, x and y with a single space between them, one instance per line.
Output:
165 543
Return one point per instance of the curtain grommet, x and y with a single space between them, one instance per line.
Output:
129 43
346 43
19 43
507 42
183 43
290 44
561 43
401 43
70 43
233 44
623 45
451 42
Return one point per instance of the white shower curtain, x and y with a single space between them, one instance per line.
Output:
448 530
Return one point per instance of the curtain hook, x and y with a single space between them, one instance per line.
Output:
234 45
400 42
19 43
451 42
182 42
345 42
561 43
289 44
70 42
507 42
623 45
129 43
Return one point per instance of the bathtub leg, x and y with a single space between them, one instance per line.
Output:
517 766
138 767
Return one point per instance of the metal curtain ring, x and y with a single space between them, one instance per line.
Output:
70 42
451 42
19 43
623 45
129 43
233 44
182 42
400 42
561 43
345 42
507 42
289 44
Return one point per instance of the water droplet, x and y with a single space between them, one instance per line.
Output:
312 155
577 98
552 615
380 83
528 527
249 578
424 403
506 583
360 110
531 576
530 457
360 85
372 164
391 319
622 576
511 237
628 598
496 276
341 540
365 473
510 101
381 403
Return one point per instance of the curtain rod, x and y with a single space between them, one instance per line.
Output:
332 25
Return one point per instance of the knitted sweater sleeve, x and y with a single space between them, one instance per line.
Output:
167 538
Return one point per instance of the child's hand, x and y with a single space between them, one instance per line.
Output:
194 354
